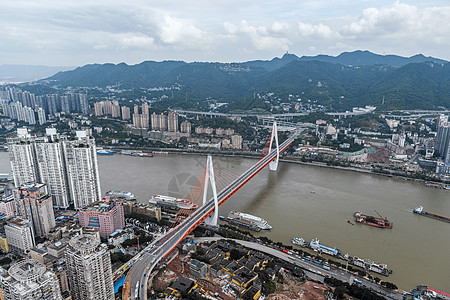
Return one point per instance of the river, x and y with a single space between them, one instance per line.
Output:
312 202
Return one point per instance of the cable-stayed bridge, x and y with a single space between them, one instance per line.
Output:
135 286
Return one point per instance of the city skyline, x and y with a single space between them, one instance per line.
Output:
75 34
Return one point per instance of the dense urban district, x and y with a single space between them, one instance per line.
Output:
61 237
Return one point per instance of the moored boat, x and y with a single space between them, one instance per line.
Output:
145 154
121 195
316 246
101 151
172 203
299 242
247 218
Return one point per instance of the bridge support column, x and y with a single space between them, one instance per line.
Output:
209 178
273 165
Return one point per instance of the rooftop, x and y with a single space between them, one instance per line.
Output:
27 270
84 243
101 207
19 222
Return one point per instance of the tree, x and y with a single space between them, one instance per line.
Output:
235 254
339 292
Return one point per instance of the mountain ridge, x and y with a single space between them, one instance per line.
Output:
423 83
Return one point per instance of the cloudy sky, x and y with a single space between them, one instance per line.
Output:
78 32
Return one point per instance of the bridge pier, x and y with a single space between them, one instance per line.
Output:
209 178
273 165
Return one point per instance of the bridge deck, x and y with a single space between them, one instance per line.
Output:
143 263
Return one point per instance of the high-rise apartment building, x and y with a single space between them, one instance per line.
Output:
236 141
82 170
35 204
136 120
162 122
126 113
29 279
7 203
51 167
115 111
172 122
104 217
136 110
155 121
140 121
65 104
89 269
98 109
68 166
145 109
41 116
442 146
186 127
22 157
145 121
20 235
107 107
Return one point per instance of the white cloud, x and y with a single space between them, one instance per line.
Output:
260 36
72 32
316 30
178 31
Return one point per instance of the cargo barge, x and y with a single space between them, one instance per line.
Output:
419 211
372 221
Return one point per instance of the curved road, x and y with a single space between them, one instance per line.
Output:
312 270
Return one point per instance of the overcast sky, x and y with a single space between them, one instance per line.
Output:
78 32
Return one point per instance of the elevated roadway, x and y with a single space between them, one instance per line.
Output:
136 281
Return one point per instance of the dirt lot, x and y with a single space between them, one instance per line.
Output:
294 289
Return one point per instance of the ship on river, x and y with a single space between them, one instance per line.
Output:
247 220
299 242
172 203
127 196
372 221
419 211
316 246
370 265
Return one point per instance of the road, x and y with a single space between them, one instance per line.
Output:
312 270
144 263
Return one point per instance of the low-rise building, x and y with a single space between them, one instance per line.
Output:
104 217
20 235
133 207
120 235
181 286
4 244
198 268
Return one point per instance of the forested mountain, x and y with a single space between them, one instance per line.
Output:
365 58
350 79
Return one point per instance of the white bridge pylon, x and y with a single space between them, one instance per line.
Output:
273 165
209 178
